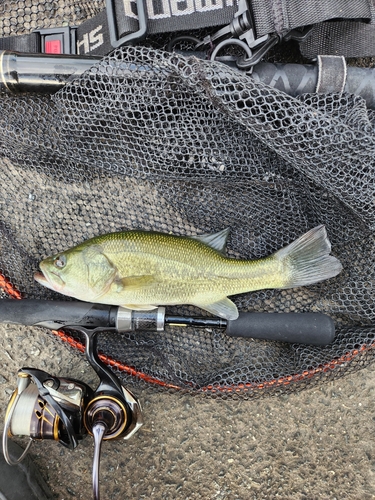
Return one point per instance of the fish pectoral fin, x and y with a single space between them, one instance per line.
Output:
134 283
217 241
139 307
100 270
224 308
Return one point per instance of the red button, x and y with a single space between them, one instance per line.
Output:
52 47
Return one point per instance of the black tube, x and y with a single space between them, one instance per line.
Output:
297 79
293 79
56 313
47 73
303 328
42 73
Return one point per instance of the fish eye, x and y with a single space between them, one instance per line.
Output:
60 261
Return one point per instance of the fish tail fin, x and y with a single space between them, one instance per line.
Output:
307 259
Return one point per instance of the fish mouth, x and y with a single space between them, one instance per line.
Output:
40 278
56 283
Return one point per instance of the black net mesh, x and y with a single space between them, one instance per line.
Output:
23 16
153 140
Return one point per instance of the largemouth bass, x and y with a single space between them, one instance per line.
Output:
142 270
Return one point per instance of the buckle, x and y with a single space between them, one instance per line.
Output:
241 31
57 40
64 40
112 25
247 63
242 27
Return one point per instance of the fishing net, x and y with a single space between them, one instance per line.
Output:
148 139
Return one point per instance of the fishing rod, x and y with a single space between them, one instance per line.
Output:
47 73
66 410
306 328
47 407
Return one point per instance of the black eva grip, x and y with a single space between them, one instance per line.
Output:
56 313
302 328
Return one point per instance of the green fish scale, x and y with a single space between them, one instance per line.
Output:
182 269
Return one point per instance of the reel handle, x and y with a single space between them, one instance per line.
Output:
99 430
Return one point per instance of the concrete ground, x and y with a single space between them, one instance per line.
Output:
318 443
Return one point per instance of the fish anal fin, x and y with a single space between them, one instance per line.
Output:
224 308
217 241
139 307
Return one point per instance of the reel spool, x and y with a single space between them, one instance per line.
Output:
66 410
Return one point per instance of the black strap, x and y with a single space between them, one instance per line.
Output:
23 43
163 16
279 16
93 37
347 38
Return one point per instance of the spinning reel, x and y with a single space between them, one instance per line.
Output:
66 410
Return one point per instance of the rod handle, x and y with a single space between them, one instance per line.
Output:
303 328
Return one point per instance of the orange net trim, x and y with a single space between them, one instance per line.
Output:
298 377
7 286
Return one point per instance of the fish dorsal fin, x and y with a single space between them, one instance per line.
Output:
217 241
224 308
